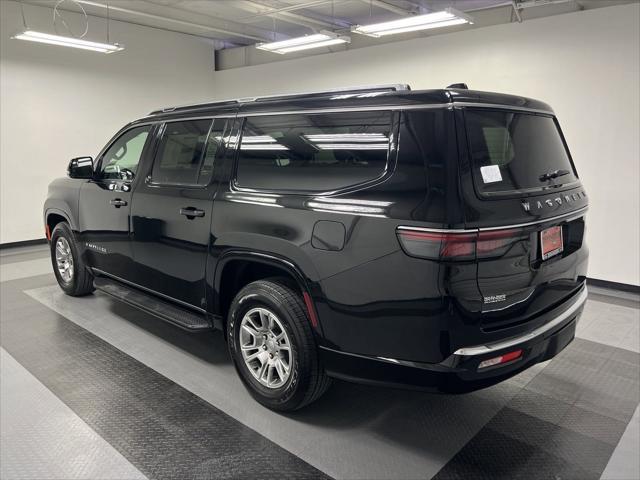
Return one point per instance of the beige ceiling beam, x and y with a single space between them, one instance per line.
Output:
228 32
388 7
286 16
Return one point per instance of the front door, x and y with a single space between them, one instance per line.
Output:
172 208
105 202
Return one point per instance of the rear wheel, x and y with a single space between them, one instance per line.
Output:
71 272
273 348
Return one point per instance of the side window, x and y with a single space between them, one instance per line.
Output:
186 153
313 153
121 160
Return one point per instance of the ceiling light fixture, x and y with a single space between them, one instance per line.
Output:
33 36
322 39
444 18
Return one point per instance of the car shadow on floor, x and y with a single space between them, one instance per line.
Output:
404 415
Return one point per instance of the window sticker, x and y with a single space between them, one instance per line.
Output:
491 174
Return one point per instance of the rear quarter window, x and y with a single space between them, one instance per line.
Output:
516 152
313 153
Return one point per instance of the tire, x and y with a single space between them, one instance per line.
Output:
306 380
75 282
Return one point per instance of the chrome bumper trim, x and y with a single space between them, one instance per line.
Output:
493 347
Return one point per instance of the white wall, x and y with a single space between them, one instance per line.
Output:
585 64
57 103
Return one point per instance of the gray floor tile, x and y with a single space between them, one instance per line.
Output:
43 438
363 432
29 268
625 461
352 432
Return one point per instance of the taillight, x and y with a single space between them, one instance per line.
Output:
494 242
457 245
438 245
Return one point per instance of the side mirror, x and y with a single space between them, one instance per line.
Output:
80 167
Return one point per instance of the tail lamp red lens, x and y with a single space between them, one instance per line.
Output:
457 245
506 358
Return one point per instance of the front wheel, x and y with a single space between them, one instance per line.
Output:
273 348
71 272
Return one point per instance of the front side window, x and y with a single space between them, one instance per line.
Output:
121 159
513 151
186 153
313 153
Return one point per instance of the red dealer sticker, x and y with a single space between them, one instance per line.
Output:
551 241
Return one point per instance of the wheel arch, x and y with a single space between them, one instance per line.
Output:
52 217
237 268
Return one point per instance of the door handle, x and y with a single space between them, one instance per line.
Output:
117 202
191 212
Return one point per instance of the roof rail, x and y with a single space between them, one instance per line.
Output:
394 87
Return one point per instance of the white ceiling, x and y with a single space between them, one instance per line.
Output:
246 22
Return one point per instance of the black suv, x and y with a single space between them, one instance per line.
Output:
427 239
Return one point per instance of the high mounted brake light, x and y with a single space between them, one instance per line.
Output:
457 245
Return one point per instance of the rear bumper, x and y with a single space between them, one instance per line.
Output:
459 373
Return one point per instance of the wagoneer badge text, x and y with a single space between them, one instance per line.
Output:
550 202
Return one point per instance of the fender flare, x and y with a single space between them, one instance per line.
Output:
62 213
267 259
259 257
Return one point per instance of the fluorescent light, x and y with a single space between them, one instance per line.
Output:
33 36
349 141
347 137
445 18
263 146
322 39
353 146
258 139
260 142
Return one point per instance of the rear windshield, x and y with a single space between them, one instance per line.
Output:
516 152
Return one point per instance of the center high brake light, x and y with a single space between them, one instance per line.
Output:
457 245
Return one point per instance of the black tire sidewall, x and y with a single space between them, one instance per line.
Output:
292 393
63 230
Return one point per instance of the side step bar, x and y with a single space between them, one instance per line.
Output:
181 317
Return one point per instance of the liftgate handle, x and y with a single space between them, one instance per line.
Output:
116 202
191 212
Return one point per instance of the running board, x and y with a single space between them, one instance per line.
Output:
181 317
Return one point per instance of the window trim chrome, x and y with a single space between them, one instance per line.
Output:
461 105
574 213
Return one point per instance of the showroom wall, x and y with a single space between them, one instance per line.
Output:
60 102
585 64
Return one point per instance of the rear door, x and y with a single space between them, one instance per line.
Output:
523 193
172 209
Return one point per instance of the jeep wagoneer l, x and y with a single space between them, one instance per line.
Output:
427 239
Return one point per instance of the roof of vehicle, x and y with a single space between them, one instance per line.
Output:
377 96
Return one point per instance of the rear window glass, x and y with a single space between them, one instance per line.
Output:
314 153
514 152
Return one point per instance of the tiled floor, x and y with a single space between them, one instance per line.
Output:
139 392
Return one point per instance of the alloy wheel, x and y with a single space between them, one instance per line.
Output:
64 259
266 348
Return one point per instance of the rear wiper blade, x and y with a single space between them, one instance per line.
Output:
554 174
